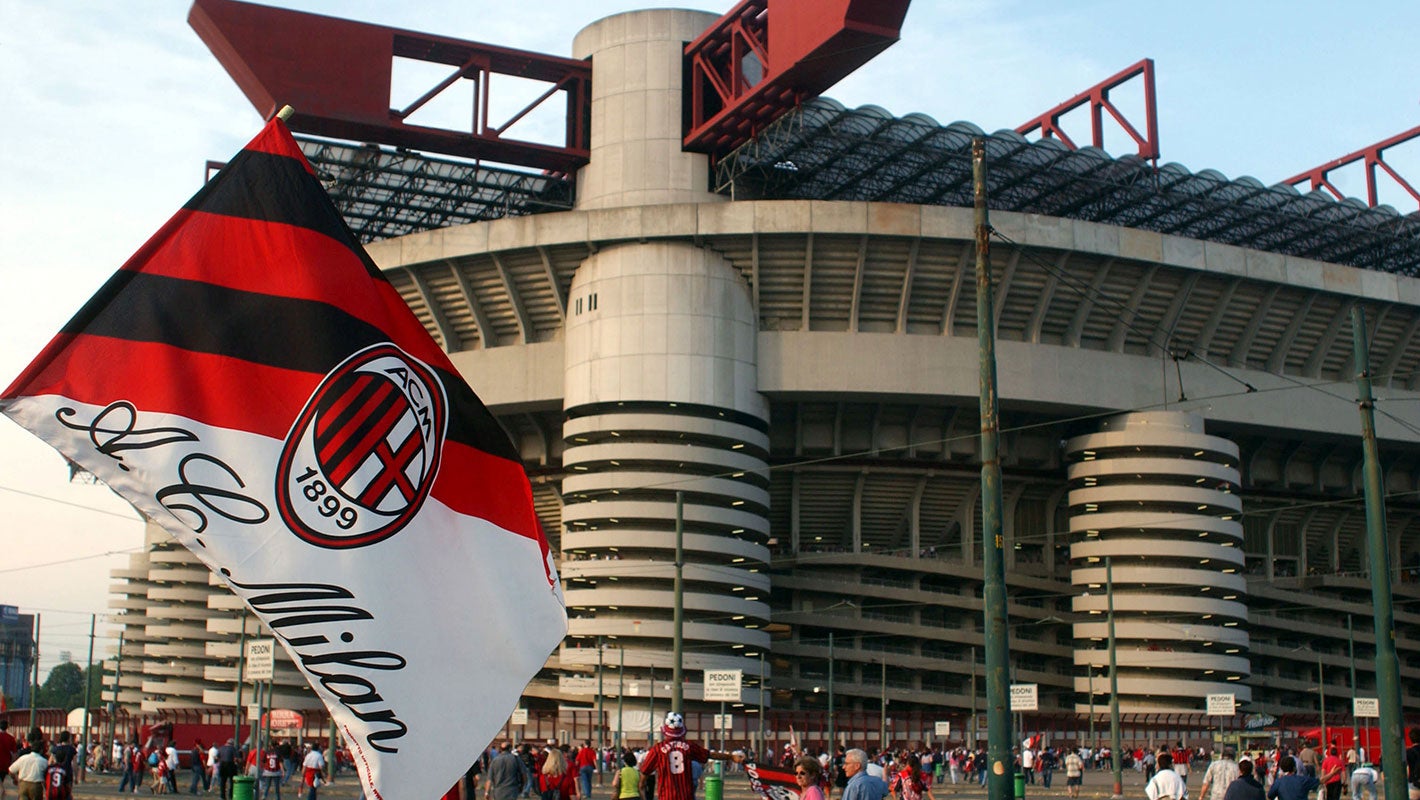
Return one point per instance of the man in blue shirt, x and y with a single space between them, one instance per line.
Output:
1289 785
861 785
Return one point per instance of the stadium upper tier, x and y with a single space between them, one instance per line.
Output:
824 151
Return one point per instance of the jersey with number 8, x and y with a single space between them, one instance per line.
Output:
670 762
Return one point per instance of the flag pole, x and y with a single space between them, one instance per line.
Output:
285 113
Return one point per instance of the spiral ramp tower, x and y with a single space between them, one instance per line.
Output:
1159 499
660 396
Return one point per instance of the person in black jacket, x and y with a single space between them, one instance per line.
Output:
1245 787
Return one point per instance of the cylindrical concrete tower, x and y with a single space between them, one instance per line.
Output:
1160 498
661 393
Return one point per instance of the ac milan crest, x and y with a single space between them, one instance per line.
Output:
360 459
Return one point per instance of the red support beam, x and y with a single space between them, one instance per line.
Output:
336 73
1097 98
765 57
1371 157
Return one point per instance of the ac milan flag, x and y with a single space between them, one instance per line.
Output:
771 783
252 383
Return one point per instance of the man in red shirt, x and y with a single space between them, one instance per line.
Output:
670 761
1333 771
8 746
586 764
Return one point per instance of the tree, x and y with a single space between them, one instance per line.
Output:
63 688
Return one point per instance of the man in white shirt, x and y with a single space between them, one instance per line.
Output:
1166 784
311 768
1220 775
28 771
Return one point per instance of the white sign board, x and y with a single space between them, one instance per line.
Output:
944 728
1222 705
1025 697
723 684
260 659
1366 707
520 717
576 684
724 721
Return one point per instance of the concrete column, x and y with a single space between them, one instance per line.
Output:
636 156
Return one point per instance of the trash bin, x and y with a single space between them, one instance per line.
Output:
1020 785
243 787
714 783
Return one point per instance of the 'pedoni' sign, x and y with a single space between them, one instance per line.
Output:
723 684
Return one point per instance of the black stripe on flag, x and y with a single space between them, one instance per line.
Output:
270 188
283 332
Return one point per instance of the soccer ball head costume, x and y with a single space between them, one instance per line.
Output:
674 726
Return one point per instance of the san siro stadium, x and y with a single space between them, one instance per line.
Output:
777 345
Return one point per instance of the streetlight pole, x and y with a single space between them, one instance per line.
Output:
975 734
677 686
761 701
1115 744
1321 689
34 687
1387 663
830 691
1355 724
882 717
993 592
88 682
620 694
601 693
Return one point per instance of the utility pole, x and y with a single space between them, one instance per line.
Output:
975 734
1000 778
34 688
88 682
677 682
882 703
762 675
1351 650
240 712
601 718
1115 744
117 674
1387 663
620 694
1321 689
830 693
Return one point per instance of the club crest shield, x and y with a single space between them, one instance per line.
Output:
360 459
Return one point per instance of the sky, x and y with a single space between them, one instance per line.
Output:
115 108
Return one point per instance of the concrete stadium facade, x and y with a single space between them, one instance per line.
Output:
804 373
800 377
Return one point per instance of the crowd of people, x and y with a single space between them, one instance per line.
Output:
44 770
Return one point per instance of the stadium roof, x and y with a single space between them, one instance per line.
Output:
825 151
384 192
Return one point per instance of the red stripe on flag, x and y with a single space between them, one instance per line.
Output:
214 390
265 258
477 484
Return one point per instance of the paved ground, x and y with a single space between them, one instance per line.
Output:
1096 785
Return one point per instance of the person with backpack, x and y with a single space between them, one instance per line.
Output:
908 783
557 780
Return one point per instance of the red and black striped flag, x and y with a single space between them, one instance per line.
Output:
251 382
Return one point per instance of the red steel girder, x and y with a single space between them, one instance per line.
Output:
336 73
1097 97
1372 157
799 48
